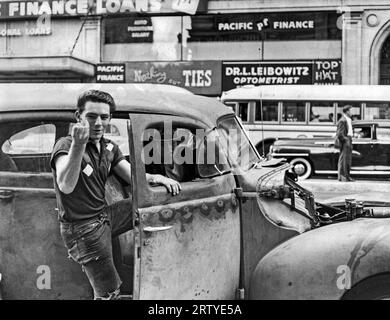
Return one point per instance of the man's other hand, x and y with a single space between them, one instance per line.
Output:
172 186
80 132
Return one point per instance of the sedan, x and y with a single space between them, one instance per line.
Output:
370 156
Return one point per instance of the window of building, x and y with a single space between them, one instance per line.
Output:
268 112
293 111
321 112
210 37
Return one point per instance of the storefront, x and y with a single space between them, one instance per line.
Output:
210 53
335 41
47 41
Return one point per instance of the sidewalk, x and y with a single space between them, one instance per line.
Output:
332 185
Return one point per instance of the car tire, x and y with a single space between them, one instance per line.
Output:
373 288
303 168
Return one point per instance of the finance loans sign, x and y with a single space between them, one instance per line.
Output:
237 74
26 9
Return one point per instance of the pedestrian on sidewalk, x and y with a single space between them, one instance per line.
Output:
344 143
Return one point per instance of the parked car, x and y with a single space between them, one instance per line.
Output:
241 226
370 156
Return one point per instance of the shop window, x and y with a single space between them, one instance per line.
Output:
322 112
266 111
28 150
377 110
356 109
293 111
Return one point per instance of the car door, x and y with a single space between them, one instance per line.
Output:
33 259
363 155
187 246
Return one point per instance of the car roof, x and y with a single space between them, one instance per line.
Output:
135 98
380 123
350 93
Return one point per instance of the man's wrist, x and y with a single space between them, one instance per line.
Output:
79 144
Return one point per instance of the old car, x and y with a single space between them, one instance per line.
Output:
319 156
241 227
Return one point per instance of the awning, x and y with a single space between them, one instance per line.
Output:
44 68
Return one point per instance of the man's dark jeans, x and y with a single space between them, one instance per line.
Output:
89 244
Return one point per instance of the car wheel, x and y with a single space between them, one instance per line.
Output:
302 168
373 288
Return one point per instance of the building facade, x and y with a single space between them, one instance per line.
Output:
204 46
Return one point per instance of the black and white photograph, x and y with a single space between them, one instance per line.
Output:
212 151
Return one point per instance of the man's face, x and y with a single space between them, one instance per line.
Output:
349 113
98 116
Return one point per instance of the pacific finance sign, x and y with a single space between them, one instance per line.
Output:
31 9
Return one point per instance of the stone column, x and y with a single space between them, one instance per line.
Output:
352 48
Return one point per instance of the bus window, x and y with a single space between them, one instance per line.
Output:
270 111
243 111
293 111
377 110
321 111
356 110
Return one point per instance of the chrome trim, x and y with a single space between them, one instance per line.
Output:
290 154
356 172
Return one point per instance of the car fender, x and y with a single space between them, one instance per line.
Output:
324 263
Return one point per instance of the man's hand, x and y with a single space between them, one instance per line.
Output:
80 132
172 186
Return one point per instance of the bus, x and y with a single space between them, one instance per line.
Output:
272 112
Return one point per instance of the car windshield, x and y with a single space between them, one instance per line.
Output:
236 144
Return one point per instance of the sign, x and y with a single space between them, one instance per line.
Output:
236 74
265 26
31 9
128 30
110 73
200 77
327 72
18 32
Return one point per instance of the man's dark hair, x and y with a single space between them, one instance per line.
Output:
346 108
95 96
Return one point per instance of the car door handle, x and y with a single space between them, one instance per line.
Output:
157 229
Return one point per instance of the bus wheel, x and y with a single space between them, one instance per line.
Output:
373 288
302 168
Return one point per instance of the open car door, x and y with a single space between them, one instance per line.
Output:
186 246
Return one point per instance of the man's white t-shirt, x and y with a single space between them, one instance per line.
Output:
349 122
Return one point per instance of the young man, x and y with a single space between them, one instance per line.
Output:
344 137
81 164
